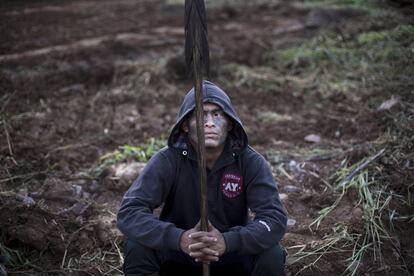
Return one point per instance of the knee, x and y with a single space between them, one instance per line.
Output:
133 250
271 261
138 259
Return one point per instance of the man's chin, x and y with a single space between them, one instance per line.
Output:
211 145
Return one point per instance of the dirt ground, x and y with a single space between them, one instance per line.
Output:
79 79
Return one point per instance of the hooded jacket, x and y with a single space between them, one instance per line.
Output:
240 180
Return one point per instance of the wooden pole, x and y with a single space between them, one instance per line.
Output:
197 57
198 86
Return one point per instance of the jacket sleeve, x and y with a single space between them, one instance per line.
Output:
135 217
269 224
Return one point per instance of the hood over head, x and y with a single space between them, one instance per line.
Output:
237 136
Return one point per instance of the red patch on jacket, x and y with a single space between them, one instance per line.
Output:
231 184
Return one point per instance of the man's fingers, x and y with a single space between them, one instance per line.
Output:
210 240
205 246
200 234
210 252
197 234
196 254
207 259
199 250
196 246
207 240
202 254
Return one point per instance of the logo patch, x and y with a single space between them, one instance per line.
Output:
231 184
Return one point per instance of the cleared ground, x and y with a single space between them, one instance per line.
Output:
89 90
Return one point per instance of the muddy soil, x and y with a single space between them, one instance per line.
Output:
78 79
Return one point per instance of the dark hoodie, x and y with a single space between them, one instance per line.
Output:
240 179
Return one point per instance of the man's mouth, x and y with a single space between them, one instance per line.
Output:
210 135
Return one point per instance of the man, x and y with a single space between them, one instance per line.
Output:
238 179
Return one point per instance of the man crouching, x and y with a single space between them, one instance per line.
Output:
238 179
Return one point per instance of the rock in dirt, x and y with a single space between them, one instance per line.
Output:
292 189
79 208
283 196
107 230
22 195
79 220
291 222
313 138
121 176
295 167
129 172
28 201
58 190
94 187
388 104
72 89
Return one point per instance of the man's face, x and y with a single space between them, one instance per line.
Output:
216 126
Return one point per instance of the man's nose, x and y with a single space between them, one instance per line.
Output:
208 120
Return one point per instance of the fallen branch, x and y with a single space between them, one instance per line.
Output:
347 179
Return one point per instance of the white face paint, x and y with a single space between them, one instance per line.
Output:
216 126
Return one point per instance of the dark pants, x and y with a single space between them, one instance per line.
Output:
141 260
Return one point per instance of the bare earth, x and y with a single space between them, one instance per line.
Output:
78 79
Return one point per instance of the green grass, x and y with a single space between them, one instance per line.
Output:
369 5
374 199
384 199
218 3
368 61
326 65
105 261
140 153
102 261
336 242
330 51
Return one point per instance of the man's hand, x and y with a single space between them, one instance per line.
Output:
186 239
209 245
220 244
203 246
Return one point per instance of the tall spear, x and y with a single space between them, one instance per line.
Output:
197 58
